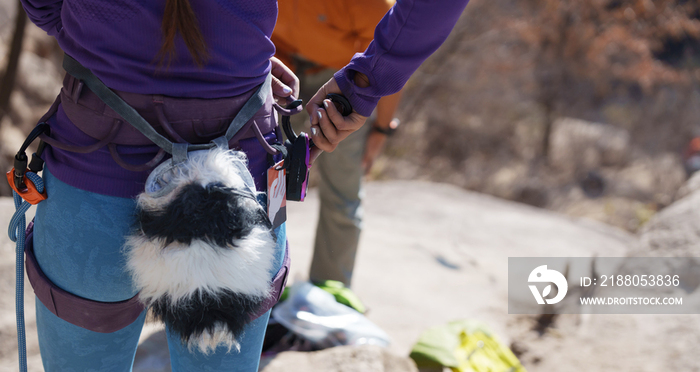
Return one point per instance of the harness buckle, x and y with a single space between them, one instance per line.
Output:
29 192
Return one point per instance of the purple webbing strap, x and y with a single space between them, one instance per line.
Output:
103 317
278 284
116 125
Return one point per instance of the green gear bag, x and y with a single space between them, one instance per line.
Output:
464 346
342 294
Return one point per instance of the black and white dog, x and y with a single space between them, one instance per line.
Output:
203 254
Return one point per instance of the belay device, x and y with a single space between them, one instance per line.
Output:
298 147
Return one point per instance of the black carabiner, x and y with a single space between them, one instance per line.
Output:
20 161
341 104
287 124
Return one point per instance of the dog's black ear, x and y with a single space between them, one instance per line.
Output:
214 213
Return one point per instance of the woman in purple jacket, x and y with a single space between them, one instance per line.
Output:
187 68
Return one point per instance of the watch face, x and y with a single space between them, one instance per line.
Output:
394 124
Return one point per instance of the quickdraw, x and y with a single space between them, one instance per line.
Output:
16 177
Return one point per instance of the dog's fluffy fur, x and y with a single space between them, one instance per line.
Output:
202 255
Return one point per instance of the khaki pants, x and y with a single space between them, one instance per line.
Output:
340 189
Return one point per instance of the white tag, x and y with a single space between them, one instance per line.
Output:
277 195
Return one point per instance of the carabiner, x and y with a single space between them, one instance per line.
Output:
29 192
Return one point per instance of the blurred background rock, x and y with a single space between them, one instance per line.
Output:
579 107
493 110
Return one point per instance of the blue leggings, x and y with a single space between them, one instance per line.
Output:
78 239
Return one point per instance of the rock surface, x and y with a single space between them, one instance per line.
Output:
341 359
577 145
675 231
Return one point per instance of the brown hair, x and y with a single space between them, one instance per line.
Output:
179 17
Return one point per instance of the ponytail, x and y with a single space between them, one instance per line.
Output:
179 17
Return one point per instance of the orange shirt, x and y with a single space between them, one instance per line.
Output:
326 32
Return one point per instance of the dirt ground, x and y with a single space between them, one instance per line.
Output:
432 253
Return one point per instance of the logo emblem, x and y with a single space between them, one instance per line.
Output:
542 275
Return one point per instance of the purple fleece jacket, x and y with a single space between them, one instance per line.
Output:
118 40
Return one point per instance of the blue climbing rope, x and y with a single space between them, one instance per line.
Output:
16 231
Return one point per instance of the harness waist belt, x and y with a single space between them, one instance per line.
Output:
193 120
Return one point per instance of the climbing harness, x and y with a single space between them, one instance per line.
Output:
195 207
97 316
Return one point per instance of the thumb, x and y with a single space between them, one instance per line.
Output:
333 114
279 88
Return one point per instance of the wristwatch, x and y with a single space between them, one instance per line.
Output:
393 125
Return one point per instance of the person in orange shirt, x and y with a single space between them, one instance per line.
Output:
317 38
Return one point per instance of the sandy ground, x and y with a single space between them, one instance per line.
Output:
433 253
